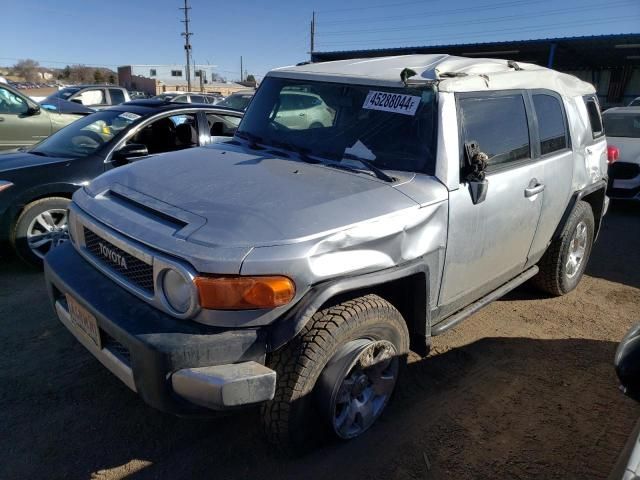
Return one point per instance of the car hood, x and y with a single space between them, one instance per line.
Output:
232 196
16 160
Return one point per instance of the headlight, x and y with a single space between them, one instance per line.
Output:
177 291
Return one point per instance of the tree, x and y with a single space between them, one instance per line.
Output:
28 69
97 76
250 78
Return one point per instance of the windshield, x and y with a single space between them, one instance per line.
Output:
239 102
86 135
392 128
622 125
64 94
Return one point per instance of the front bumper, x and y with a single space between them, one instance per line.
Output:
178 366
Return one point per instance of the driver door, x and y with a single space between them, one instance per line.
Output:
489 242
18 127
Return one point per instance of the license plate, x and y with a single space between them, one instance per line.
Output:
84 320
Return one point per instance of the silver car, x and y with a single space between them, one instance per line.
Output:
296 267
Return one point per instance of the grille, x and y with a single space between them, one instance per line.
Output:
623 170
136 272
115 347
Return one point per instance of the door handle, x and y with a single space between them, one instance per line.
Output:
1 119
534 190
301 114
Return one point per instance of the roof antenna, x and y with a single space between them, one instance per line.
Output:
514 65
405 74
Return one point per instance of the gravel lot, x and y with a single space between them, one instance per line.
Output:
523 389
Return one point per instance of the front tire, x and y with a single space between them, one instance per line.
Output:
564 263
41 226
337 376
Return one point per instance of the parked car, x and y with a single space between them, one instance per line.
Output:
137 95
36 184
239 100
295 267
94 96
206 98
622 126
23 122
302 110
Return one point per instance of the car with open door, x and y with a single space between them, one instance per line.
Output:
36 184
294 266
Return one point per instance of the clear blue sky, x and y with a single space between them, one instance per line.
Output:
276 33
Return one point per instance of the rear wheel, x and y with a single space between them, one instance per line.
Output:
337 376
41 226
564 263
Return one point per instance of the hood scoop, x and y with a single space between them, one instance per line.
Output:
182 222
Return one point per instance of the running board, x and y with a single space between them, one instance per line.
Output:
456 318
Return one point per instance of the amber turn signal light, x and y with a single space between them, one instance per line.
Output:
244 293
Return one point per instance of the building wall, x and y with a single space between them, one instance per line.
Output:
168 74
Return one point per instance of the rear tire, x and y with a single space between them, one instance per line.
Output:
317 366
41 226
564 262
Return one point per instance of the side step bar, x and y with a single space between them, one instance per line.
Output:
456 318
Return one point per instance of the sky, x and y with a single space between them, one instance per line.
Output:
268 34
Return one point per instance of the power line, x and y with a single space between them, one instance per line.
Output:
597 6
483 33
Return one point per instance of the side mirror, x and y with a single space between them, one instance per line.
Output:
627 362
475 172
129 152
34 109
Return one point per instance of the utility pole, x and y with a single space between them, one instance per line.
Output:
313 34
187 45
241 70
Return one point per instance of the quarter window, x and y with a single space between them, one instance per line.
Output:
593 109
551 125
117 97
498 125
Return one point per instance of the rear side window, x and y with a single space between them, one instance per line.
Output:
498 125
622 125
551 124
595 119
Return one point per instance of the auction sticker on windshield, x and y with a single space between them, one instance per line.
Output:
392 102
129 116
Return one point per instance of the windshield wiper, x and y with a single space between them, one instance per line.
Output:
368 164
303 153
252 138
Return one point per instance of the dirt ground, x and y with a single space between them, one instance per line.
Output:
523 389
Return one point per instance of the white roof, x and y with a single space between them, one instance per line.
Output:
452 74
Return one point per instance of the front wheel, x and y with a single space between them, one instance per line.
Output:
337 376
564 263
41 226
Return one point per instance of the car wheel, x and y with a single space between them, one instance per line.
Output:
565 261
41 226
337 376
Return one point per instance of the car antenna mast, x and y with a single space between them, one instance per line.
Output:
187 45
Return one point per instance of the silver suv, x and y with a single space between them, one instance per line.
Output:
296 267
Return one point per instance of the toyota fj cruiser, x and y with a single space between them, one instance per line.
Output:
296 265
